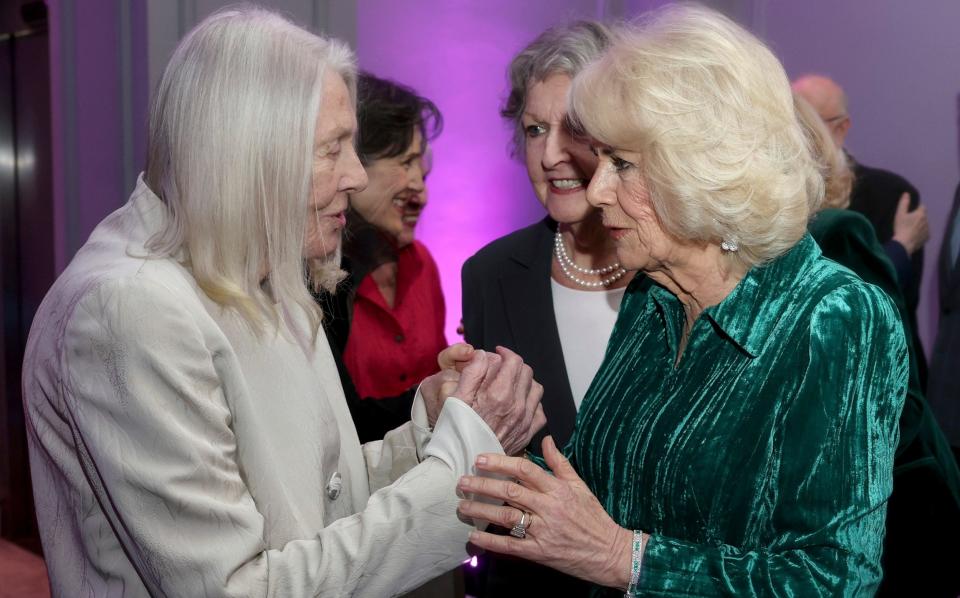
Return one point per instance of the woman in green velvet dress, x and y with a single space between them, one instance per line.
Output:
740 434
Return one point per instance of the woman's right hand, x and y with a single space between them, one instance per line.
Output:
501 389
566 526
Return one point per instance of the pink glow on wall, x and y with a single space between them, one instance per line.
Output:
456 53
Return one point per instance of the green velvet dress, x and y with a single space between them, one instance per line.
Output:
761 463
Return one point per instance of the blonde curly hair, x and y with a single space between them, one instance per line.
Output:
709 108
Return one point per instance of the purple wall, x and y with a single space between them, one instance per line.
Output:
98 111
898 64
456 53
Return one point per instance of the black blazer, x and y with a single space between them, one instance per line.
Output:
507 301
943 392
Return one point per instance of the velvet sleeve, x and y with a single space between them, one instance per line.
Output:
849 239
828 490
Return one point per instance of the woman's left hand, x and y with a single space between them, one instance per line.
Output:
566 526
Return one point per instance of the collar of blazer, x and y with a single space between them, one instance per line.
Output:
528 300
538 254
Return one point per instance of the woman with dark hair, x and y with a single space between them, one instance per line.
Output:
386 319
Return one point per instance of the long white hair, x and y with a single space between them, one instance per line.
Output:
230 154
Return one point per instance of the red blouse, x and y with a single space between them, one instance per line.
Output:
390 350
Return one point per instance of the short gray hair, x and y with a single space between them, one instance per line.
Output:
564 49
230 153
709 108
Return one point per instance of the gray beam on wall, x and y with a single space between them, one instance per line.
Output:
126 94
70 184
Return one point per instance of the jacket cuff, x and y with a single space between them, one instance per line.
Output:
421 425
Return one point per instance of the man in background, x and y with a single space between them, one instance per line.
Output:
886 199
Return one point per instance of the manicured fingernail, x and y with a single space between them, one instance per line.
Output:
482 460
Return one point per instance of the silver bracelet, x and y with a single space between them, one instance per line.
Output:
635 562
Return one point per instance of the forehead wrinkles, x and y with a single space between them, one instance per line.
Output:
336 117
547 109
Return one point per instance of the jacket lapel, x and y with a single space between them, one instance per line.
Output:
529 305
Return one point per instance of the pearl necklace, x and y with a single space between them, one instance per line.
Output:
568 266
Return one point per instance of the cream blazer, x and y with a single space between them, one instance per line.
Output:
174 453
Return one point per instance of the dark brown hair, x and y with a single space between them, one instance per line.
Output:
387 113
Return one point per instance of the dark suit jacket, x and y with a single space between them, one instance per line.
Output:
507 301
944 387
875 194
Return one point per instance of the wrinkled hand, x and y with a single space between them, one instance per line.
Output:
436 389
501 389
568 528
910 229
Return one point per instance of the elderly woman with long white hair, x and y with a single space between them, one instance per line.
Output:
188 431
739 436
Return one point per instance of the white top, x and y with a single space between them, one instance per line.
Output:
585 320
174 453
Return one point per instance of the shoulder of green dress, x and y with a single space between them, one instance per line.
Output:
782 295
865 306
820 276
858 324
799 277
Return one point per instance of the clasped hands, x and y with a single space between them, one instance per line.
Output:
568 528
498 386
